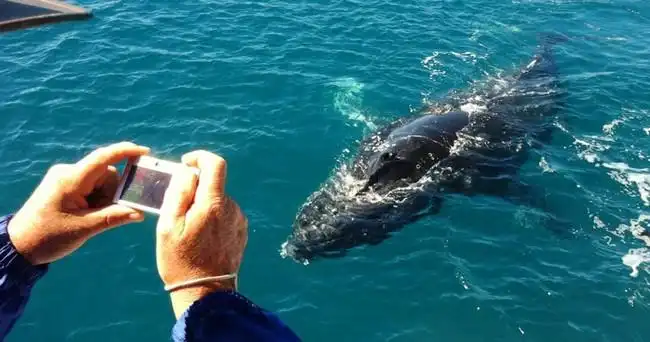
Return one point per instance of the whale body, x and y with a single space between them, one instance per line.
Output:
402 171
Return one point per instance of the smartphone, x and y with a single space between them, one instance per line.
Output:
145 181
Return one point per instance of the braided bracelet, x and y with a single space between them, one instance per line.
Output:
200 281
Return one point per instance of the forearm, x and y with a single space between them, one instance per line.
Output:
17 277
229 316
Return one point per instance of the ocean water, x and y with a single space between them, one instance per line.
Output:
282 89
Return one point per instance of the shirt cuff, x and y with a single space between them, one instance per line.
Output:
14 263
229 316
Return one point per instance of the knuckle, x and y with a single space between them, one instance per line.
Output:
96 164
99 154
110 220
124 145
59 171
200 154
56 168
215 210
101 151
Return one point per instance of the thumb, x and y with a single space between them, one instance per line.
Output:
109 217
178 200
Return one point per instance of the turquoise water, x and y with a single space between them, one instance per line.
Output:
281 89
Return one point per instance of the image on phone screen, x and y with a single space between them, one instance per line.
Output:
145 186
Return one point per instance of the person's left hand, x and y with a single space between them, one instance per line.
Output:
72 204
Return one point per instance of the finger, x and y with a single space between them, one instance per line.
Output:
177 201
97 221
212 177
104 191
96 162
108 177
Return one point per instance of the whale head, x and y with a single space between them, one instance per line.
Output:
394 180
324 228
364 208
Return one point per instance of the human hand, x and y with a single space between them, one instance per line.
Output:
72 204
201 231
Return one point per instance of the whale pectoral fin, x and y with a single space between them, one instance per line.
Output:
536 197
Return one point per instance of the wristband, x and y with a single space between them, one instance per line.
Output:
200 281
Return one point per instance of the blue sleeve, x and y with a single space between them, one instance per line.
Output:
227 316
17 277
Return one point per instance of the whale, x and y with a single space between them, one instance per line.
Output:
472 142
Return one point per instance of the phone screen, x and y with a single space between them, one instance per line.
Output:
145 186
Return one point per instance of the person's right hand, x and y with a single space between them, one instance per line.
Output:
201 231
72 204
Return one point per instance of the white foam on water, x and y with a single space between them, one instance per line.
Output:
466 56
435 62
348 100
561 127
598 223
634 258
475 35
511 28
632 178
590 148
431 59
590 157
610 127
619 39
636 227
642 181
462 281
474 104
472 108
347 184
640 225
543 164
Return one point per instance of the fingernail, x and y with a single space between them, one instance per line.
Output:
136 217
